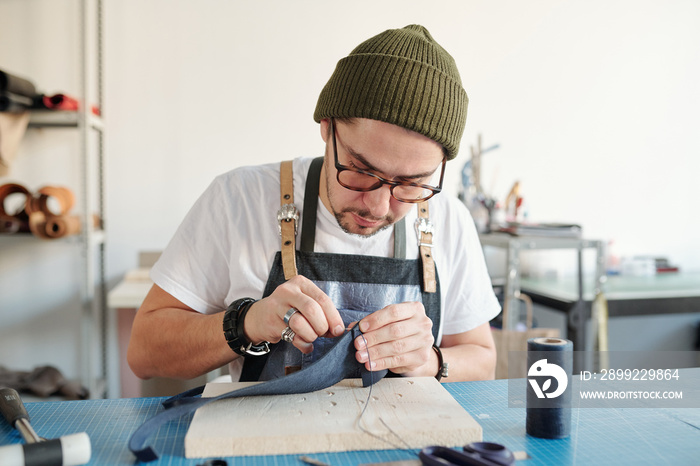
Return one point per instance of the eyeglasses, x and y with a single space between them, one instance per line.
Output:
357 179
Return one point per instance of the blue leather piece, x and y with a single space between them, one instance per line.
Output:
328 370
368 297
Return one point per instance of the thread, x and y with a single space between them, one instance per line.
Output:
550 364
369 398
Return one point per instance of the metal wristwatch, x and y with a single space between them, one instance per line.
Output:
233 330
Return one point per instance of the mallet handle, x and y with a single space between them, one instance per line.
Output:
69 450
16 414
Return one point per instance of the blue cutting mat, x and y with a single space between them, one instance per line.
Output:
599 436
110 423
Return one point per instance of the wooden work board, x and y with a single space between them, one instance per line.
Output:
402 413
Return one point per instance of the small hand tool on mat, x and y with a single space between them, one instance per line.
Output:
473 454
69 450
476 453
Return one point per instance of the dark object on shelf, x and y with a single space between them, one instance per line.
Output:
16 85
664 266
563 230
59 102
43 381
15 103
56 102
19 95
17 221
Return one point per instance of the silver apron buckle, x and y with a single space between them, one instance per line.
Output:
424 226
288 213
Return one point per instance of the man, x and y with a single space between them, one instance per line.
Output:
391 115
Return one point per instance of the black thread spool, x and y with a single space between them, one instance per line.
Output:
549 413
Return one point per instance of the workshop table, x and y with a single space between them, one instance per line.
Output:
598 436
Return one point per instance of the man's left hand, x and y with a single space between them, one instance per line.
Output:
399 338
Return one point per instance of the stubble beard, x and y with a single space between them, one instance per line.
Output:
342 216
365 232
345 222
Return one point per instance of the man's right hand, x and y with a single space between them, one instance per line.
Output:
316 316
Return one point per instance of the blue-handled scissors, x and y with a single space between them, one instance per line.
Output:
477 453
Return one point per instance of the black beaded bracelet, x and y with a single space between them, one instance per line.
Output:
442 366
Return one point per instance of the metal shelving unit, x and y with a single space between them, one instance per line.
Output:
92 238
577 312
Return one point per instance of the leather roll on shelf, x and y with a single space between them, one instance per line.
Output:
46 223
15 103
16 222
16 84
9 225
40 202
58 102
45 214
53 226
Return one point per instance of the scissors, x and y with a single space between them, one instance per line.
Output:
476 453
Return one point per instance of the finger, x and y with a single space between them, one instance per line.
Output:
416 324
290 336
400 363
394 349
319 310
401 340
305 333
316 307
389 314
300 339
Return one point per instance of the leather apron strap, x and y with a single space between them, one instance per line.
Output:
288 217
308 225
424 230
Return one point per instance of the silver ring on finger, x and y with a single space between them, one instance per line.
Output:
289 314
288 334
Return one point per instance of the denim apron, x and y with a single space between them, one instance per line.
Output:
358 285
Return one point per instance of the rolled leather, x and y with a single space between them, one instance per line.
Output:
57 102
15 103
53 226
46 214
12 83
13 222
40 202
46 223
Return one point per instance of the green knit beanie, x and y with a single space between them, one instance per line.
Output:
402 77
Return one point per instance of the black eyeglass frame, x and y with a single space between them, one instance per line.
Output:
382 181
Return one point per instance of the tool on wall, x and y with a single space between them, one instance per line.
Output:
69 450
480 204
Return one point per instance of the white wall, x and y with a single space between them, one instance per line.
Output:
594 105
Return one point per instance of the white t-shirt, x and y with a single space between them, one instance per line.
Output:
225 246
